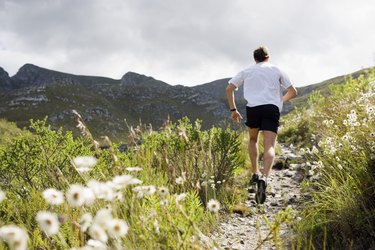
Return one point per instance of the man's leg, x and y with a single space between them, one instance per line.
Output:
253 149
269 151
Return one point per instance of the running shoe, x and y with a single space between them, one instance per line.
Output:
260 196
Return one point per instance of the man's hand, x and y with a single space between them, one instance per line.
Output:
236 116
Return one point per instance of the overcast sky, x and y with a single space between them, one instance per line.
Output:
188 42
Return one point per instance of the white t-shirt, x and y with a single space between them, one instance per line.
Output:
264 83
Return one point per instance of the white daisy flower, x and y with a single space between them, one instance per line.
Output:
122 181
140 191
180 197
2 196
76 195
15 236
103 216
84 163
89 196
98 233
102 190
48 222
179 180
213 206
136 181
163 191
149 190
53 196
85 222
117 228
95 244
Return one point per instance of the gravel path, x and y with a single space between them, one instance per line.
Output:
246 227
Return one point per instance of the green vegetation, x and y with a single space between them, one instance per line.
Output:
165 189
8 130
163 193
337 137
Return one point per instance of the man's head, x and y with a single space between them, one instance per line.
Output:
261 54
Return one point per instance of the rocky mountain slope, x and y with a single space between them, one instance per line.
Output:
105 103
109 105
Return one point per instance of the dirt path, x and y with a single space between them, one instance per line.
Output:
249 230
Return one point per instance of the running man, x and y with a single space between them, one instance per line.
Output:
264 84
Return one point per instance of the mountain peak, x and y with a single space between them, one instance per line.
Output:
4 79
132 78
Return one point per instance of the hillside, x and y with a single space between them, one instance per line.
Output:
106 103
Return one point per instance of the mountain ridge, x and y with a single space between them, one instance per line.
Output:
106 103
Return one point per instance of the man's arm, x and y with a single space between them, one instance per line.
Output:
292 92
236 116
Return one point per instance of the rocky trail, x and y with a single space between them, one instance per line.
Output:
247 227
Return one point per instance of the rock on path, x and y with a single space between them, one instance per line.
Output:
247 231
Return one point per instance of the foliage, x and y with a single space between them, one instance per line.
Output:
8 131
172 174
40 160
337 137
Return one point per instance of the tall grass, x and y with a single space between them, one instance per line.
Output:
337 136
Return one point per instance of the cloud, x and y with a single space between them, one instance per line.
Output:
187 42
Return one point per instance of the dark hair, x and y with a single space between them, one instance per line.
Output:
261 54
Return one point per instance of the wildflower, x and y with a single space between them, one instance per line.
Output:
84 163
139 190
122 181
339 166
213 206
119 196
95 244
53 196
85 222
89 196
98 233
314 150
48 222
134 169
164 202
156 226
180 197
179 180
213 186
15 236
136 181
105 191
204 183
117 228
102 216
163 191
149 190
2 196
75 195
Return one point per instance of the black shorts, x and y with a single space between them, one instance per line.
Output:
264 117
